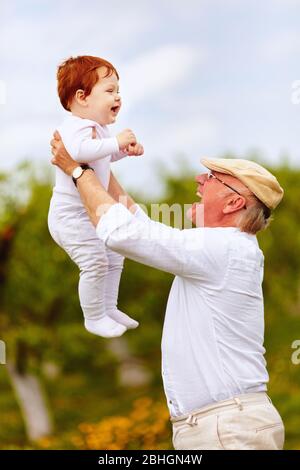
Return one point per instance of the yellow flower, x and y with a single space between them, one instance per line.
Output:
146 427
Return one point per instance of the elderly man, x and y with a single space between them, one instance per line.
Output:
213 365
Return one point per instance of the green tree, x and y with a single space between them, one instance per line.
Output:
41 321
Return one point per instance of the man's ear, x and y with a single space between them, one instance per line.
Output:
235 203
80 97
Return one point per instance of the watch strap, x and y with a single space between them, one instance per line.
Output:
84 166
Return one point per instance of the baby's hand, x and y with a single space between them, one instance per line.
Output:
135 149
126 138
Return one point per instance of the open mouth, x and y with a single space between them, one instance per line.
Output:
115 109
198 192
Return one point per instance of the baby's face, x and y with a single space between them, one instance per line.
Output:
104 101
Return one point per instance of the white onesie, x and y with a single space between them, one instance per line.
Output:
71 228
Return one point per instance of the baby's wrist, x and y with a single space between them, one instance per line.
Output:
120 144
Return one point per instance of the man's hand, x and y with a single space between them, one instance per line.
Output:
61 157
135 150
126 138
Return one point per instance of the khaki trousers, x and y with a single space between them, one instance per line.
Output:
248 421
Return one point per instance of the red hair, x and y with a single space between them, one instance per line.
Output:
79 73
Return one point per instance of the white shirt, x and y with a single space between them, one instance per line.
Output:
212 343
76 134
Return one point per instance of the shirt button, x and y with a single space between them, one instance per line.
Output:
170 401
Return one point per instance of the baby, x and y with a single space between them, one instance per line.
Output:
88 87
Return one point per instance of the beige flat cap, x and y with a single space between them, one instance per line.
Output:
259 180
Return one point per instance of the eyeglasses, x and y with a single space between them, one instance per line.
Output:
212 176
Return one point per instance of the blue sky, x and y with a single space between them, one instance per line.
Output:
196 77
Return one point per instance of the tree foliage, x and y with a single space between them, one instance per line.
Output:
41 320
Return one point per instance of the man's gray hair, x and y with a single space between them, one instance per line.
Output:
255 218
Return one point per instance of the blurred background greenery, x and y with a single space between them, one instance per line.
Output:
63 388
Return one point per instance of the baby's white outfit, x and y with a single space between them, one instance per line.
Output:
71 228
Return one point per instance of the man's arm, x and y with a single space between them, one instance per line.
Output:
96 200
119 194
153 244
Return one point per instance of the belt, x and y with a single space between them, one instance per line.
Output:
236 402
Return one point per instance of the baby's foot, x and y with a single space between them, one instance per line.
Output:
122 318
105 326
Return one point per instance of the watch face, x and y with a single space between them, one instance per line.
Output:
77 172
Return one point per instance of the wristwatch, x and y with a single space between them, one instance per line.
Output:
78 171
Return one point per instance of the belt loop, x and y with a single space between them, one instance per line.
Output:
191 420
239 403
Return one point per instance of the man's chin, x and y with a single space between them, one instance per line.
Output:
196 214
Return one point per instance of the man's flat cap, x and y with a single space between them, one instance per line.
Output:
259 180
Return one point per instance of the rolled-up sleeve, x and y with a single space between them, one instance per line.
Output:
150 243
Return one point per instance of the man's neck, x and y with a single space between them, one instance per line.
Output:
226 221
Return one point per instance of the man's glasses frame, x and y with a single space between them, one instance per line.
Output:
212 176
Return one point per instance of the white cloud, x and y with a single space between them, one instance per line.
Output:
2 92
282 46
189 136
158 49
287 3
158 70
66 28
39 37
25 140
183 141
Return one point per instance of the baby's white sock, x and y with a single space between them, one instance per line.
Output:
92 301
106 327
122 318
112 281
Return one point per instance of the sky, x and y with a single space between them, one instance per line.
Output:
197 78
